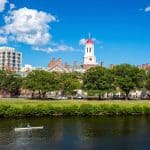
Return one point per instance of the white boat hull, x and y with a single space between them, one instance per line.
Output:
29 128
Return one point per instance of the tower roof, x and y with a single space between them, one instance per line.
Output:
89 41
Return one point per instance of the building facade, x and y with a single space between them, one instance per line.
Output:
56 65
10 59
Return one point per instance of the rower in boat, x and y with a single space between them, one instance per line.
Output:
29 128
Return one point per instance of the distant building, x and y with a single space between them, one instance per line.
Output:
89 60
56 65
10 59
111 66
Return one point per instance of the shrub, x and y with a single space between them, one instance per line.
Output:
3 109
71 110
146 109
137 109
28 110
12 112
86 109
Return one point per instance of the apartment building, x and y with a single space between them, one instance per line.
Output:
10 59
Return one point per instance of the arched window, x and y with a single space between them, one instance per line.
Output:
90 50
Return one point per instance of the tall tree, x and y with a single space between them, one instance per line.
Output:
69 82
10 83
128 77
42 81
98 79
147 81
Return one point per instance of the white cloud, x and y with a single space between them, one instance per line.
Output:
32 27
56 48
147 9
82 41
3 40
2 5
28 26
12 6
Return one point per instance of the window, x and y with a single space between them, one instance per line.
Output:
87 50
90 50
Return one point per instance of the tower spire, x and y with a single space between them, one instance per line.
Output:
89 35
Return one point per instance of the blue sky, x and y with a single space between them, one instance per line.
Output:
121 29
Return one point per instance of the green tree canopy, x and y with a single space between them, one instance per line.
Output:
70 82
10 82
147 81
98 79
41 81
128 77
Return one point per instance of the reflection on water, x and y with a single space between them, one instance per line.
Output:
111 133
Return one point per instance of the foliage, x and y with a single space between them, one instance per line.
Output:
98 79
26 108
147 81
128 77
69 82
41 81
10 82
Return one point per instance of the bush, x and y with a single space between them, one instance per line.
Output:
63 109
71 110
113 109
28 110
86 109
146 109
138 109
3 109
12 112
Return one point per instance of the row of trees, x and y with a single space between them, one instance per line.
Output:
99 80
39 81
124 78
44 82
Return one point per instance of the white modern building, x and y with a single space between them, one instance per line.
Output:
10 59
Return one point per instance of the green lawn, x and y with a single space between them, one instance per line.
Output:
21 102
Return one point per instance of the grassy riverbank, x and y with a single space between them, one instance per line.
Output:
36 108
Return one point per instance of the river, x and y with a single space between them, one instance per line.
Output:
105 133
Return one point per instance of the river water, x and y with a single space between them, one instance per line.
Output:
105 133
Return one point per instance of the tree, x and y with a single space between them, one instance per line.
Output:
2 76
42 81
69 82
128 77
98 79
147 81
10 82
14 83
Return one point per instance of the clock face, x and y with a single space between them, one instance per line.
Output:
90 59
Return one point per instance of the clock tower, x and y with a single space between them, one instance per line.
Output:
89 57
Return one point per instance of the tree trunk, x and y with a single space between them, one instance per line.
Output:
99 97
32 96
127 95
43 95
39 94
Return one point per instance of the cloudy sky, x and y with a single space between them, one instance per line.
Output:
43 29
